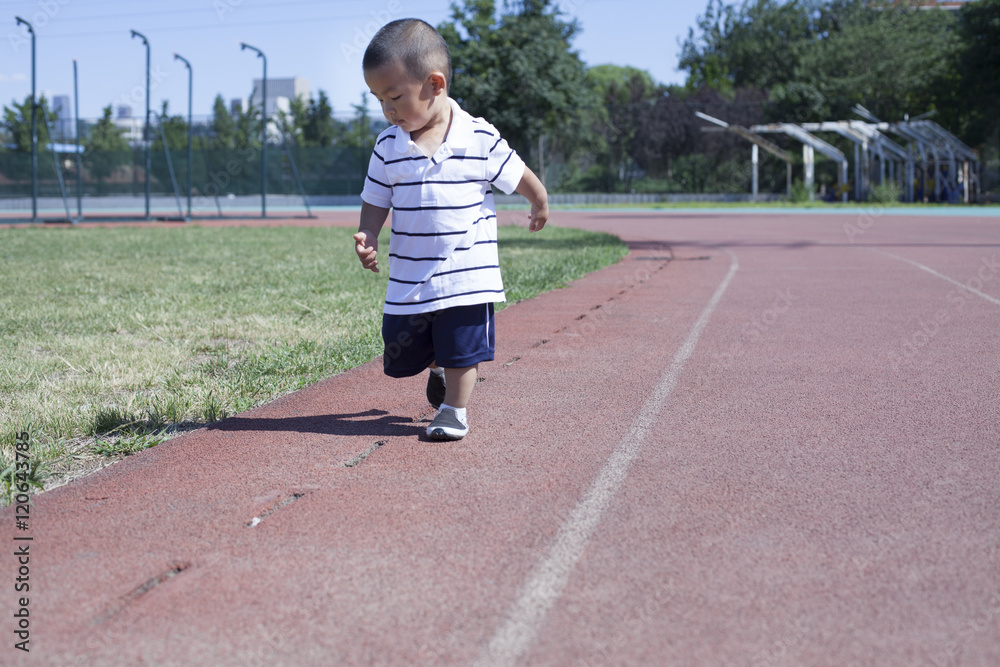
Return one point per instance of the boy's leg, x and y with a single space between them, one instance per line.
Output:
450 423
435 386
463 337
459 383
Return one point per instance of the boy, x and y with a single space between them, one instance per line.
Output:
435 167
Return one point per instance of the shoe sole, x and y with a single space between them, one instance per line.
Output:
443 434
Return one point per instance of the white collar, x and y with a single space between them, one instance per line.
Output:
458 140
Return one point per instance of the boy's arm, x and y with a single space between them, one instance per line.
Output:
366 240
532 189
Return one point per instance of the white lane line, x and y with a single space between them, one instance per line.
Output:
939 275
548 579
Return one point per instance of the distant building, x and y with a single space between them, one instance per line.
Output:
290 89
123 111
63 108
132 129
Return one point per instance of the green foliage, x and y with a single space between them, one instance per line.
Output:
293 121
800 193
247 130
105 149
756 45
978 93
320 128
15 480
360 133
519 72
619 84
617 122
17 124
891 59
174 127
127 444
885 193
11 479
816 59
223 126
234 131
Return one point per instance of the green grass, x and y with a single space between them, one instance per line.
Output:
115 338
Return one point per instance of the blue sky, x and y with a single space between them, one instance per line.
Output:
319 40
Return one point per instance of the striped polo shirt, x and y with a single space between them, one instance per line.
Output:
443 248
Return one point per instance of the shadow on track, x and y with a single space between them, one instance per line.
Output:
358 423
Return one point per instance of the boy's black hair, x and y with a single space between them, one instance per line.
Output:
414 43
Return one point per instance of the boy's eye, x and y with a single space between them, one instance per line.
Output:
395 98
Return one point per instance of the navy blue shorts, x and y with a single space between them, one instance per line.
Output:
452 338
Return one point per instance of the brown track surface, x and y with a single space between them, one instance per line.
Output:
751 442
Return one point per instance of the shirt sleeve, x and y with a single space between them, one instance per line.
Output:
377 190
504 167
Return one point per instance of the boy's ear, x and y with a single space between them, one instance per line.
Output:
438 82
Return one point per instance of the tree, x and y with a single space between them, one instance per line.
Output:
293 122
17 124
105 149
310 123
625 93
979 67
360 133
247 130
320 127
892 59
518 71
756 45
175 127
223 126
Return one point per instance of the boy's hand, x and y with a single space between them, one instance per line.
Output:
366 245
538 217
532 189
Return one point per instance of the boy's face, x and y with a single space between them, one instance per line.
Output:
407 103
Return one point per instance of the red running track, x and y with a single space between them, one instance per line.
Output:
758 440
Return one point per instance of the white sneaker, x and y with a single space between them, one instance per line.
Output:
447 426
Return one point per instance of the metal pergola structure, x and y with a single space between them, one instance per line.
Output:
810 144
931 157
869 145
953 166
757 141
944 158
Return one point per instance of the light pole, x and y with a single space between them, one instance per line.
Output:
79 158
190 148
145 127
263 129
34 125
